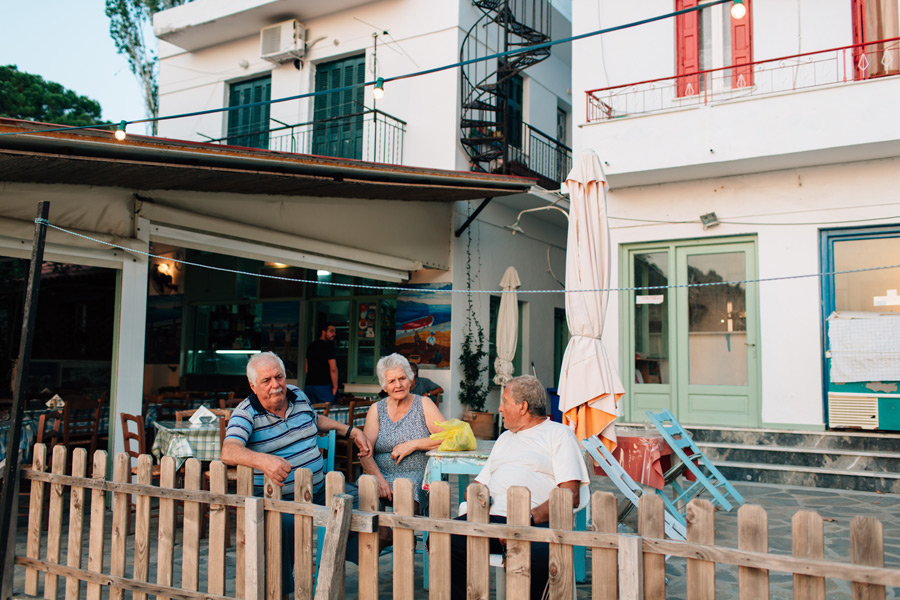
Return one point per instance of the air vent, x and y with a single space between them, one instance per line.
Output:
853 410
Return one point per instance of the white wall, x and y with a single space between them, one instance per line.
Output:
790 342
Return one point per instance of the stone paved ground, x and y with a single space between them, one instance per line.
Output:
838 507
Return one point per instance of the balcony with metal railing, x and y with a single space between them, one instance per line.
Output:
370 135
540 156
797 72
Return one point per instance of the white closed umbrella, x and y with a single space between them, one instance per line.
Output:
507 328
589 386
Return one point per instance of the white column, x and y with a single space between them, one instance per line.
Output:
128 338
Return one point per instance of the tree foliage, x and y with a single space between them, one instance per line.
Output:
128 22
31 97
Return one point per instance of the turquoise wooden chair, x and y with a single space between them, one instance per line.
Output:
675 527
707 475
326 444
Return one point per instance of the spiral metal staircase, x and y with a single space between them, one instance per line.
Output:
486 120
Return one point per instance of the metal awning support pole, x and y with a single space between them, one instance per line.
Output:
9 512
472 217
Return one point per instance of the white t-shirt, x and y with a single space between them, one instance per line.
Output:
539 458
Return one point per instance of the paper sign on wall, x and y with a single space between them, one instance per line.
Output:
656 299
892 299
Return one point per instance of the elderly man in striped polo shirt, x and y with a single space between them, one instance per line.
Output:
274 431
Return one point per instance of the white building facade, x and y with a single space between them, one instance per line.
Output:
779 130
212 55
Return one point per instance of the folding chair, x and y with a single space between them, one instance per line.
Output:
708 476
675 528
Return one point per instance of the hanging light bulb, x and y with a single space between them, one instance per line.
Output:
378 91
120 132
738 10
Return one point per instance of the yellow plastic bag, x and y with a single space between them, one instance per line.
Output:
457 435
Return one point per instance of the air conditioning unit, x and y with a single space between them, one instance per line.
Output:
283 41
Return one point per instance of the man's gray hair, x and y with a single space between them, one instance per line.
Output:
528 388
393 361
258 359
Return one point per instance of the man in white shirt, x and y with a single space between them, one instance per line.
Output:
536 453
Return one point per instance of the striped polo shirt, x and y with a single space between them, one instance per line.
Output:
292 438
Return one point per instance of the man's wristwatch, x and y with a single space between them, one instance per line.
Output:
346 436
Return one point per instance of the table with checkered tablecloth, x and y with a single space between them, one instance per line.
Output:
183 441
29 433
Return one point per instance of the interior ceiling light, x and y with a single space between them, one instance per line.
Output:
738 10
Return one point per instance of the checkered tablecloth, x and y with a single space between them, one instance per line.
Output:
29 433
182 442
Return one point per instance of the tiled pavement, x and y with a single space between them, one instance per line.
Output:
837 507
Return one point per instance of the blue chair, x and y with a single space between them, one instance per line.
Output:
707 475
326 444
675 527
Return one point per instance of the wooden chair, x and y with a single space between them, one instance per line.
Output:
136 444
81 423
322 406
345 451
167 405
49 433
227 400
222 413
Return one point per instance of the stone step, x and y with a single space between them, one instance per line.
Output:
888 483
839 440
825 458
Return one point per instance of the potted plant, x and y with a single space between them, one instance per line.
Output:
473 389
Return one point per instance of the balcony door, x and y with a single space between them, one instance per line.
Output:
694 348
249 127
338 117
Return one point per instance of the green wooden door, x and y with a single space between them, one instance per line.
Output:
692 350
249 127
716 336
338 117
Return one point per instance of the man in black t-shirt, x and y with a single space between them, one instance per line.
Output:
321 367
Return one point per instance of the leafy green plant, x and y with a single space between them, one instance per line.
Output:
473 389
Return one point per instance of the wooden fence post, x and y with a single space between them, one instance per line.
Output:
244 488
753 534
404 541
631 568
218 526
35 517
98 510
334 484
701 528
651 524
518 553
368 542
304 551
438 543
604 566
330 583
76 523
165 548
273 544
254 537
120 519
562 566
808 541
867 548
190 555
142 524
478 501
54 520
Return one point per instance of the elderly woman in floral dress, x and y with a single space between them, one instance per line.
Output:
399 427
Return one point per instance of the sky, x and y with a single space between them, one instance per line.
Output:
67 41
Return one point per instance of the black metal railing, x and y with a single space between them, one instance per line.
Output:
540 156
370 135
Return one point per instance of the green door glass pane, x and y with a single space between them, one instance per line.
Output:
338 117
717 319
651 318
249 126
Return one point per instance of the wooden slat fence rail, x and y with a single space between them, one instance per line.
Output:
622 566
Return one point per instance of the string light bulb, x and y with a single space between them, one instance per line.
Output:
738 9
378 90
120 132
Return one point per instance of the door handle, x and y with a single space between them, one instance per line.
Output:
749 344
